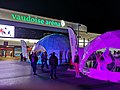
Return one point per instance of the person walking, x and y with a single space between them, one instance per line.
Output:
34 60
53 61
21 56
46 59
30 57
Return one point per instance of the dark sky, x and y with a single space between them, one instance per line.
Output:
98 15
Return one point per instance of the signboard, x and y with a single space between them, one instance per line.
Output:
38 20
24 49
7 31
73 42
28 18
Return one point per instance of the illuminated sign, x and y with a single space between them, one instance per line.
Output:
32 19
6 31
36 20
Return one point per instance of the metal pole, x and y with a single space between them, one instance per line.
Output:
78 34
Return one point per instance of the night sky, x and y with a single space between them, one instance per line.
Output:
98 15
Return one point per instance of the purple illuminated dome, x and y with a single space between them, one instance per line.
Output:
107 40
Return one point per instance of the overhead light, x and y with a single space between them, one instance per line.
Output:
62 23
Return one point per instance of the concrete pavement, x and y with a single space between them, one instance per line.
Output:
15 75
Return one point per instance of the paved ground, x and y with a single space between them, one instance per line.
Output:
15 75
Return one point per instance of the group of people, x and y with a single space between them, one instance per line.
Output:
106 60
102 58
53 62
44 59
116 56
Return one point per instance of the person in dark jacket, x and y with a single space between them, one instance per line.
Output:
30 57
53 61
34 59
46 59
43 61
21 55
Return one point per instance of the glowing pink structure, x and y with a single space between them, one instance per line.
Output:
107 40
107 60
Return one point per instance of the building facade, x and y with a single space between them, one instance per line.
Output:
16 26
